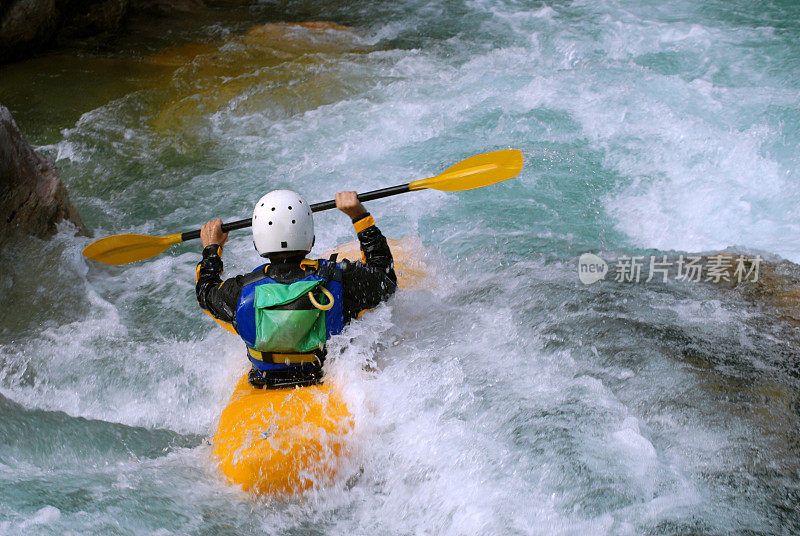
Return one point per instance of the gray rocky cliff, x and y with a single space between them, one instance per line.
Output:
32 197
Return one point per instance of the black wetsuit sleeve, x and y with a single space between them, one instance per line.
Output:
216 296
366 284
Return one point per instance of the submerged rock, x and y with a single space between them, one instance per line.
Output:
32 197
275 70
776 285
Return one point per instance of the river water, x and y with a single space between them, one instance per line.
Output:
502 396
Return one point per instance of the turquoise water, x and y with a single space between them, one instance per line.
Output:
504 398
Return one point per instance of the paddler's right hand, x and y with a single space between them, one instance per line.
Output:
211 233
348 203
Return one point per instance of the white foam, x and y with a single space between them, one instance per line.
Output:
44 516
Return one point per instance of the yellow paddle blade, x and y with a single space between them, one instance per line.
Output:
475 172
126 248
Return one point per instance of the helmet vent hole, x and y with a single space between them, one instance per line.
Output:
284 245
270 223
290 208
273 209
292 221
262 204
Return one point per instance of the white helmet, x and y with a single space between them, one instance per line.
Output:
282 222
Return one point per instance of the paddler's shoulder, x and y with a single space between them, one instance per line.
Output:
257 274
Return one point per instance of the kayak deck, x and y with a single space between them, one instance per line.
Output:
281 440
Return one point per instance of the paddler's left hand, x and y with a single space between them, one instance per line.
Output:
211 233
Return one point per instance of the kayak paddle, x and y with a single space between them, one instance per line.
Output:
474 172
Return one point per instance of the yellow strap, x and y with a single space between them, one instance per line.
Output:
294 358
364 223
282 359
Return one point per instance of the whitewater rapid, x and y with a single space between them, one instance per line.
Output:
502 397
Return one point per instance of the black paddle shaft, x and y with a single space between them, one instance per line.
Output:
316 207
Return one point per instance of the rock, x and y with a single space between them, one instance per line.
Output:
168 7
87 17
32 197
27 26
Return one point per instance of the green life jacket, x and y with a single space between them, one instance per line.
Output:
288 330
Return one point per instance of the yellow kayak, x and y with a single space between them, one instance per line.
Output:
282 441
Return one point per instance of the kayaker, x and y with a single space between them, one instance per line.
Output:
286 310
